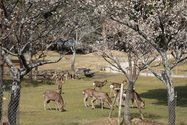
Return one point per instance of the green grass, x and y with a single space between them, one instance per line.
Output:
150 89
180 69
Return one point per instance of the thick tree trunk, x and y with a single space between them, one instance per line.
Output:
14 103
1 83
168 81
1 68
15 92
126 119
171 109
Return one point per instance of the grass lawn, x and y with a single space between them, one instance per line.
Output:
150 89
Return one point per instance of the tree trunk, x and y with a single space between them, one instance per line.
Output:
14 103
126 119
15 92
168 81
1 68
73 59
171 107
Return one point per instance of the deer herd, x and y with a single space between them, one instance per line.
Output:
89 92
104 97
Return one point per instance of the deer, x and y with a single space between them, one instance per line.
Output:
157 64
59 87
53 96
102 96
88 93
71 73
67 57
116 85
99 84
59 77
48 77
133 98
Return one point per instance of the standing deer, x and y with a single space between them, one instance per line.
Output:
71 73
102 96
116 85
99 84
133 98
53 96
48 77
59 86
87 93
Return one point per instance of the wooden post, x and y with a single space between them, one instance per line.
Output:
113 104
119 113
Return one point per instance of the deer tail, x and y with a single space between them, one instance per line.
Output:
93 84
111 86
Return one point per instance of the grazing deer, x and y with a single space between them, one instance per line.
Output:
102 96
133 98
99 84
87 93
53 96
116 85
48 77
71 73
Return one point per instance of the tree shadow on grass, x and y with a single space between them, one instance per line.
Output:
161 96
146 115
25 83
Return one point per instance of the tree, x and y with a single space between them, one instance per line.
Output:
33 22
162 24
130 46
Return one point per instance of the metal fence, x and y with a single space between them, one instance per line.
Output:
13 105
172 110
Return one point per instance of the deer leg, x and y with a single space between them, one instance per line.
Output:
101 103
133 102
92 101
58 105
97 102
49 106
66 76
44 105
114 92
85 101
73 76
